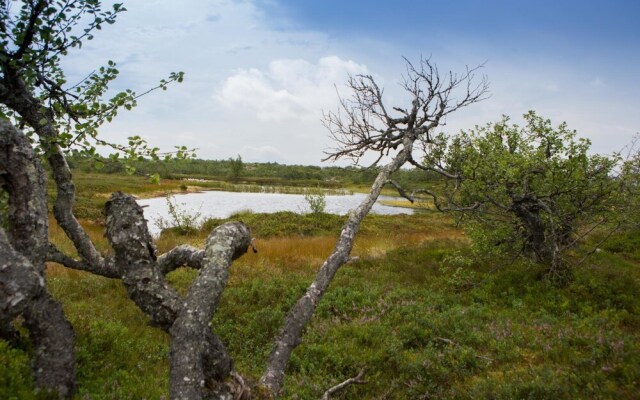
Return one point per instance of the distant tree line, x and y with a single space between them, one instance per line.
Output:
268 173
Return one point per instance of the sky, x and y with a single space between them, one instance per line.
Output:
260 73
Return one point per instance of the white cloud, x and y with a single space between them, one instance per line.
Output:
256 85
290 89
262 154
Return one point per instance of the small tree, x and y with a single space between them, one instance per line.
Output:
237 167
529 190
180 218
317 202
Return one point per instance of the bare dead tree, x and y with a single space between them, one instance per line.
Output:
365 124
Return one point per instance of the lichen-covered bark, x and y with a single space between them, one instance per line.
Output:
135 257
54 363
23 252
22 176
23 292
183 255
15 95
301 313
188 366
197 355
20 283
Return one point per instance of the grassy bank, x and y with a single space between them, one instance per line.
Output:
423 321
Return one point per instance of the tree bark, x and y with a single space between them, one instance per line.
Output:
22 176
15 95
20 283
25 250
194 360
197 355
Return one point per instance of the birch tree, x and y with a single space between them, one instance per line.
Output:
366 124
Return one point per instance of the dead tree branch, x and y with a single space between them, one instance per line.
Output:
363 124
179 256
401 190
356 380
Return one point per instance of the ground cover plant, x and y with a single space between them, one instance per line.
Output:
404 311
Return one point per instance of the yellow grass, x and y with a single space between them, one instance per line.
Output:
304 255
424 205
276 255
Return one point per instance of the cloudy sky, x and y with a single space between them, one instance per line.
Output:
259 73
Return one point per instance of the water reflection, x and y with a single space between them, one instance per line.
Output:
219 204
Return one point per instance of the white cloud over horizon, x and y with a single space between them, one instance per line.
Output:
289 89
256 84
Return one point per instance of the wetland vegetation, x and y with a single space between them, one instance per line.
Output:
416 308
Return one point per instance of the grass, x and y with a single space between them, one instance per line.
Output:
422 324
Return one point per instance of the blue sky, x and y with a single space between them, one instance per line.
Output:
260 72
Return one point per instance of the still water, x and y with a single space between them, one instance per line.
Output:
219 204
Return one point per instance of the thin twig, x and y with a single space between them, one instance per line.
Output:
357 380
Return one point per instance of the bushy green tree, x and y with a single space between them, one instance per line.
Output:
533 190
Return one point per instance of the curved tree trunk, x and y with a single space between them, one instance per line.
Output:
197 356
25 247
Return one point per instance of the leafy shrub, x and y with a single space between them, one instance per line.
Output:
179 218
317 202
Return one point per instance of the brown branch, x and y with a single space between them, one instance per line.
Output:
596 247
108 269
440 171
472 207
363 124
29 32
401 191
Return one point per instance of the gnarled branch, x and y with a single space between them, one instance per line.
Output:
197 354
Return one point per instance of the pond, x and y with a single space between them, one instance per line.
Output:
220 204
